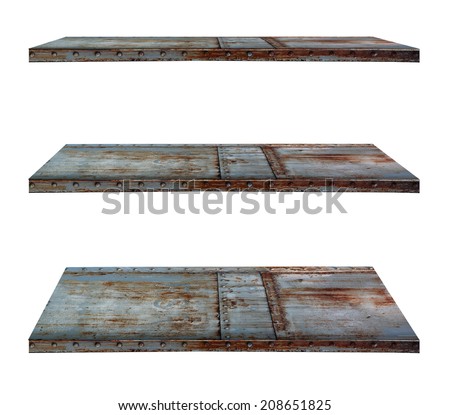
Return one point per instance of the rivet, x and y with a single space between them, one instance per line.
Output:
271 54
31 345
352 344
140 344
54 344
163 344
31 185
76 54
228 54
184 53
119 184
311 183
394 53
290 53
163 184
32 55
97 344
311 344
374 184
271 344
54 184
119 54
249 345
374 344
331 53
76 345
119 345
393 344
352 53
141 184
331 344
228 344
249 184
249 54
311 53
119 269
97 54
141 53
184 344
393 184
227 337
163 53
75 184
374 54
54 54
184 184
97 184
352 184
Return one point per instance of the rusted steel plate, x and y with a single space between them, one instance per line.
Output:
102 49
294 167
222 309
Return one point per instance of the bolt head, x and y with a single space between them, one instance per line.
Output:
54 344
76 345
76 184
141 344
97 54
163 184
97 344
119 54
32 54
97 184
141 53
76 54
162 344
249 54
119 345
163 53
54 54
31 345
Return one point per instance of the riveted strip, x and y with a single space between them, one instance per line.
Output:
274 162
224 164
333 345
276 310
274 42
224 306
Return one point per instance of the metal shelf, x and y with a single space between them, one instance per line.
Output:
343 309
287 167
119 49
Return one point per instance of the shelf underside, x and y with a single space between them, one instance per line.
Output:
288 167
118 49
222 309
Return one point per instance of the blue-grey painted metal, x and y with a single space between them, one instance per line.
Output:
294 167
253 308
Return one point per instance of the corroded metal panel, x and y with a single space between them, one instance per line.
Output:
84 49
229 309
287 167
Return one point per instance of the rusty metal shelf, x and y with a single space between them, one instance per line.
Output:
295 167
222 309
119 49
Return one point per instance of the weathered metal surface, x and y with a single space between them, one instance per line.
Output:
280 167
222 309
101 49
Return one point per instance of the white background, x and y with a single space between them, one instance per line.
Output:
402 108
